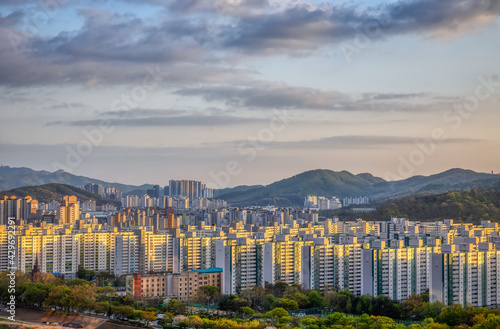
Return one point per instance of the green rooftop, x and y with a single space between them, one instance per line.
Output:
210 270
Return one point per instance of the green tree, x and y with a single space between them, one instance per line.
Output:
383 322
207 295
359 307
412 308
453 315
195 322
279 289
247 311
239 302
36 294
125 311
148 317
101 307
287 304
255 297
176 307
83 297
431 310
491 322
77 282
227 302
269 302
84 274
106 293
315 299
278 313
301 299
59 297
335 318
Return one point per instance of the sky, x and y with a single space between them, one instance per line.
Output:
243 92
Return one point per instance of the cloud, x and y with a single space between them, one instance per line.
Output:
143 113
64 106
308 27
266 94
113 49
12 18
197 44
163 121
352 141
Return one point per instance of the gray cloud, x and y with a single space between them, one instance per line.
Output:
134 113
268 95
308 27
195 45
11 19
264 94
64 106
162 121
114 49
353 141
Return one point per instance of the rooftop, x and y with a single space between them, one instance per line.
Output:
210 270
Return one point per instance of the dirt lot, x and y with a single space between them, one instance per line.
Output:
39 317
109 325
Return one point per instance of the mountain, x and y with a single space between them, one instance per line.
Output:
450 180
48 192
468 206
17 177
287 192
240 188
291 191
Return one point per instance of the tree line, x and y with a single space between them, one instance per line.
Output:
271 304
471 206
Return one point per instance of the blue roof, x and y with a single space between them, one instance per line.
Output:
56 273
210 270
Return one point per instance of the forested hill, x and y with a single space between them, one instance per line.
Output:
49 192
468 206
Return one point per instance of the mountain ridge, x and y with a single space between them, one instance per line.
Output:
472 205
288 191
14 177
328 183
55 191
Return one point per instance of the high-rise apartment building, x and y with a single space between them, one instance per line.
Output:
17 208
189 188
69 211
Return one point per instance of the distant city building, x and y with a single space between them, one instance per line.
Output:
154 192
94 188
17 208
88 205
189 188
457 262
69 211
321 203
107 192
346 202
181 286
